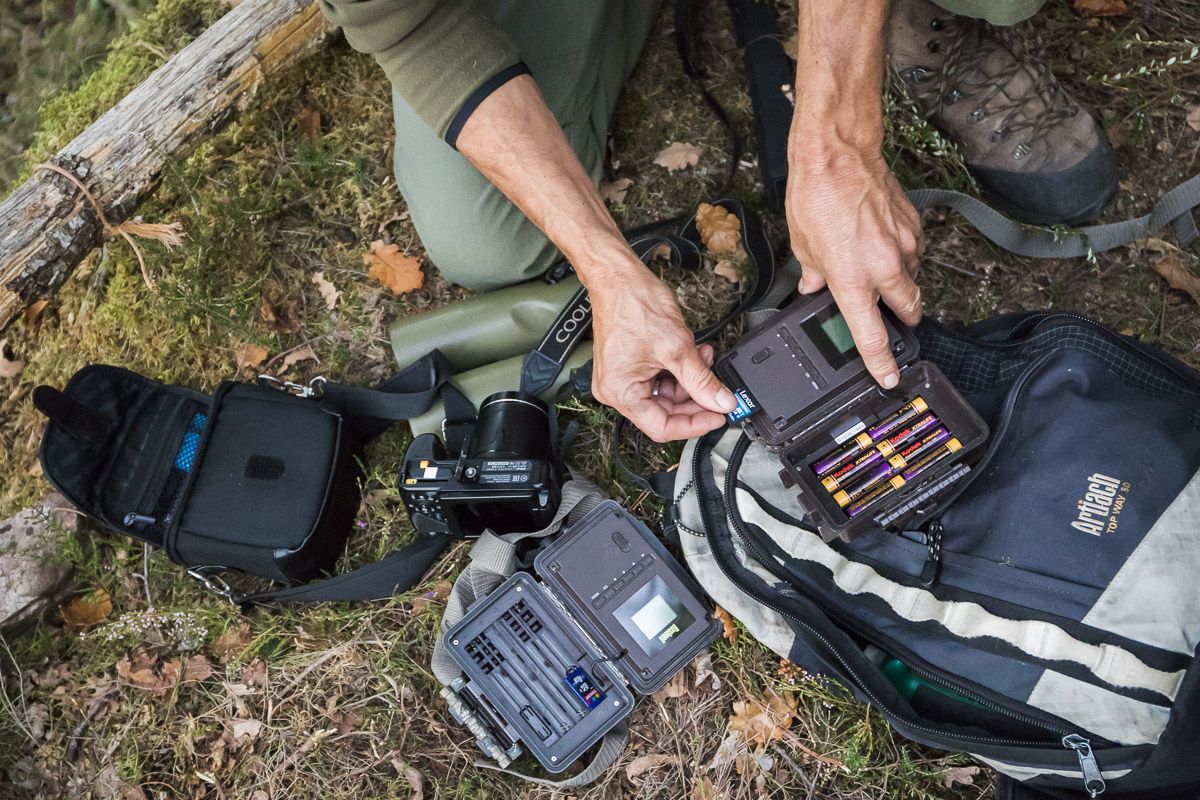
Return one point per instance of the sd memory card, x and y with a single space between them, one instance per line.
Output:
745 406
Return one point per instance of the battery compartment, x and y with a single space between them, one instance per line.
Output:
538 672
921 480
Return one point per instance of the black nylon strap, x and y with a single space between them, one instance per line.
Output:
408 394
378 580
546 361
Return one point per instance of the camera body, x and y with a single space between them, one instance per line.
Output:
505 478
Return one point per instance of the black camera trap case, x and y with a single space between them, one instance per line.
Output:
555 664
805 393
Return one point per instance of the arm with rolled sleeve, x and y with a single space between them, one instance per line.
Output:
444 57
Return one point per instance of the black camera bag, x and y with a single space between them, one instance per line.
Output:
260 477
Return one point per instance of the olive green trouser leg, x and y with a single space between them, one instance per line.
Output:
997 12
580 53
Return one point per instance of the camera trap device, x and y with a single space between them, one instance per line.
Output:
859 457
552 663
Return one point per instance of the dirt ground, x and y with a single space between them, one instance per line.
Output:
336 701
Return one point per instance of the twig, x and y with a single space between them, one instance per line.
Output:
306 343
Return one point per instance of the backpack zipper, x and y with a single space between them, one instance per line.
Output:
1093 780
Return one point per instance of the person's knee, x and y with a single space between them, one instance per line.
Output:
485 253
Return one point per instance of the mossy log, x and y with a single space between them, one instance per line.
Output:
47 227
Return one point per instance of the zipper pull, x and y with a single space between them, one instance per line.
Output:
933 560
1093 781
138 520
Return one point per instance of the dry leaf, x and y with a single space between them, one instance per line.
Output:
10 365
245 728
730 632
259 794
415 781
728 270
142 671
299 354
679 155
963 775
1171 268
346 721
703 789
33 314
1102 8
643 764
278 316
249 356
761 723
393 269
615 191
310 124
1193 118
88 609
436 595
255 673
704 672
720 230
676 687
328 292
232 642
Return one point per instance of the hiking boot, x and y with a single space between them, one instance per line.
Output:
1042 158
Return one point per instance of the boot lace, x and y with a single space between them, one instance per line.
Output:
966 43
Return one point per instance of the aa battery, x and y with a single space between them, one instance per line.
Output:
902 441
850 469
874 478
870 437
889 445
881 490
919 449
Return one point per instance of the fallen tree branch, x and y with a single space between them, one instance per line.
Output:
48 226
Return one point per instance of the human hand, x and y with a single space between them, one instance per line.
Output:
642 344
853 229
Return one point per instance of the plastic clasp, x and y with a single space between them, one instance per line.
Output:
315 388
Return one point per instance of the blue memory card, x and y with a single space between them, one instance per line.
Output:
582 685
745 406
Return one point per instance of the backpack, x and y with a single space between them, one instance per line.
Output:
1045 617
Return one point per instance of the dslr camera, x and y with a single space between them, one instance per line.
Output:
505 478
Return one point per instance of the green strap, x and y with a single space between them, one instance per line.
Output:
1174 208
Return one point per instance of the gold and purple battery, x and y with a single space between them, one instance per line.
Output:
882 490
891 448
869 437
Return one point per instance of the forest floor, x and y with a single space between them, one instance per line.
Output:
337 701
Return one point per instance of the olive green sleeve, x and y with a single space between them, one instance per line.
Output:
441 55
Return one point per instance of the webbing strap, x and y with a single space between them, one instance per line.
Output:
1173 208
611 747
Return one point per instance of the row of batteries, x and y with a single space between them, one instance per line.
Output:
884 457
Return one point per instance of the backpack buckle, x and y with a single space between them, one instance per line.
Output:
314 389
209 577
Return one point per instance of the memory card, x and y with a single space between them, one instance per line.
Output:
745 406
582 685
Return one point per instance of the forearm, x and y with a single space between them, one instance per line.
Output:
839 79
517 144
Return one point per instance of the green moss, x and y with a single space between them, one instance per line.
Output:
131 58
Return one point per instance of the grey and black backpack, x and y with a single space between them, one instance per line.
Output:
1046 618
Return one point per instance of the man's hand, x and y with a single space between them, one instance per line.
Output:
853 229
642 344
851 226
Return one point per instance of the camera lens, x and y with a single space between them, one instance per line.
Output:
512 425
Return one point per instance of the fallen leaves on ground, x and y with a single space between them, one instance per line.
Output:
390 267
730 632
1102 8
87 609
329 292
677 156
1171 268
720 230
33 314
615 191
143 671
963 775
10 365
762 722
245 728
249 356
728 270
703 789
1193 118
705 674
415 781
232 642
310 124
255 673
676 687
435 596
278 315
643 764
295 356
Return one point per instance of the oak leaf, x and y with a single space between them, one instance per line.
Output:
390 267
677 156
761 723
720 230
245 728
728 270
704 672
33 314
310 124
614 191
299 354
249 356
730 633
643 764
88 609
329 292
232 642
676 687
963 775
10 365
